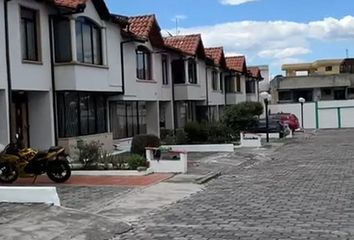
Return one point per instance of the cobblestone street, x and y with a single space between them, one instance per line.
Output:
303 190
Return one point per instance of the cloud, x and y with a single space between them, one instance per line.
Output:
235 2
283 53
272 41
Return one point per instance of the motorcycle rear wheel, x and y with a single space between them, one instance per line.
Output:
59 171
8 173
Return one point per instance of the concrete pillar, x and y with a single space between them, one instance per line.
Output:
104 46
4 118
153 118
168 113
73 39
41 119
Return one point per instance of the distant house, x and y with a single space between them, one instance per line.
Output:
188 68
252 85
331 79
216 72
242 83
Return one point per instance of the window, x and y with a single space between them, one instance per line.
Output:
326 92
339 94
238 83
81 114
127 118
88 41
29 34
221 82
351 91
62 40
328 68
301 73
285 96
250 86
347 68
164 70
215 80
143 63
229 84
192 71
178 71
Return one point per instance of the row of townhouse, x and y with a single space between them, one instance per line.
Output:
70 70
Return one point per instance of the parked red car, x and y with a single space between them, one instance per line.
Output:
287 118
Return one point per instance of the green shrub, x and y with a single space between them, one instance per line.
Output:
118 162
167 137
140 142
135 161
242 116
196 132
218 133
89 153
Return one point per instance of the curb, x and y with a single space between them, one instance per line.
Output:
206 178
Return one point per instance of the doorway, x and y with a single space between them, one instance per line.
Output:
19 124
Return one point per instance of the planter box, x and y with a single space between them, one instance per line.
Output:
167 166
250 140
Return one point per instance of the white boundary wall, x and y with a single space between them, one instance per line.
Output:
322 115
202 148
295 108
29 195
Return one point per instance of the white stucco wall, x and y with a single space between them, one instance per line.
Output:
234 98
3 75
215 97
190 91
29 76
149 90
41 122
84 77
4 118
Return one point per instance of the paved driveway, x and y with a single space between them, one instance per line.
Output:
304 190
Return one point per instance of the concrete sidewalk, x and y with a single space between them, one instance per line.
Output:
98 180
45 222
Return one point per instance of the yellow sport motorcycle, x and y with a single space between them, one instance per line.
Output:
27 162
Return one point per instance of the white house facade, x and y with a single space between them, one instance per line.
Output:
76 72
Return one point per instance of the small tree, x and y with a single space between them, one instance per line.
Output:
89 153
242 116
140 142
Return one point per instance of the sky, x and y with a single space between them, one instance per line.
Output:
267 32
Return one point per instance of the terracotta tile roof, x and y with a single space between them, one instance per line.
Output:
141 25
254 72
189 44
237 63
100 6
217 55
68 3
147 27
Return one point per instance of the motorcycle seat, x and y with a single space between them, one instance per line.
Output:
41 154
54 149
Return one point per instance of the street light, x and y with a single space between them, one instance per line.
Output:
302 101
266 98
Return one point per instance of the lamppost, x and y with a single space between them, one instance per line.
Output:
266 98
302 101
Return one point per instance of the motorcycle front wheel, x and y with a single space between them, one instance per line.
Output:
59 171
8 173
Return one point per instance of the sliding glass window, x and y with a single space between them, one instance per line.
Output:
81 114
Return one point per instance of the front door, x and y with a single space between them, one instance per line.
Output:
20 118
